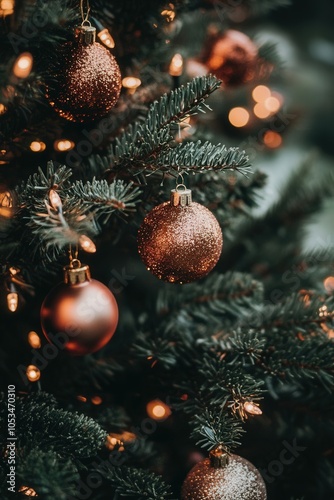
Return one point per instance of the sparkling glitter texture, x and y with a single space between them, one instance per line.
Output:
180 244
84 82
232 57
239 480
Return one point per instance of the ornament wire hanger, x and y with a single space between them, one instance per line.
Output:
83 15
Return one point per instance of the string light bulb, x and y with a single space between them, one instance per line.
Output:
23 65
29 492
34 340
6 7
252 408
33 373
238 117
3 109
54 199
131 83
261 93
63 145
106 38
37 146
158 410
12 301
329 284
87 244
176 65
272 139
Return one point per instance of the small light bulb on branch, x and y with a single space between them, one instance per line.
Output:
252 408
329 284
23 65
176 65
29 492
34 340
106 38
87 244
54 199
37 146
12 301
158 410
63 145
3 109
6 7
33 373
131 83
96 400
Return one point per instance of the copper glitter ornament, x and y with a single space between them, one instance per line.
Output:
81 314
85 79
224 477
232 57
180 241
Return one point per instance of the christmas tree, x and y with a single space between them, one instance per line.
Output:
166 285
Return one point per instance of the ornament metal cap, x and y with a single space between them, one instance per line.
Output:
75 273
86 34
219 458
180 198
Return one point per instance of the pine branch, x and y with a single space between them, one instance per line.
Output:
214 428
135 483
104 198
48 474
149 146
40 424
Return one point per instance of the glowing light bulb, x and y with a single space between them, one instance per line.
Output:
131 83
329 284
168 14
272 139
82 399
261 111
37 146
238 117
55 200
6 7
176 65
158 410
12 301
3 109
272 104
33 373
23 65
96 400
29 492
86 244
261 93
252 408
63 145
106 38
34 340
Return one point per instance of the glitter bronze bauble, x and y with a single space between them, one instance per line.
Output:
85 79
180 241
79 315
232 57
237 479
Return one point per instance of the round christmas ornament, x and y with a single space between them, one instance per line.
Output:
85 80
224 477
80 314
232 57
180 241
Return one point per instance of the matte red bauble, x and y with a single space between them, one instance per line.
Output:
79 315
232 57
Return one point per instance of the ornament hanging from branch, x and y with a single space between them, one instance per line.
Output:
180 241
224 477
80 314
85 80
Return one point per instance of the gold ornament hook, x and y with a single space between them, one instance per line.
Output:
83 15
